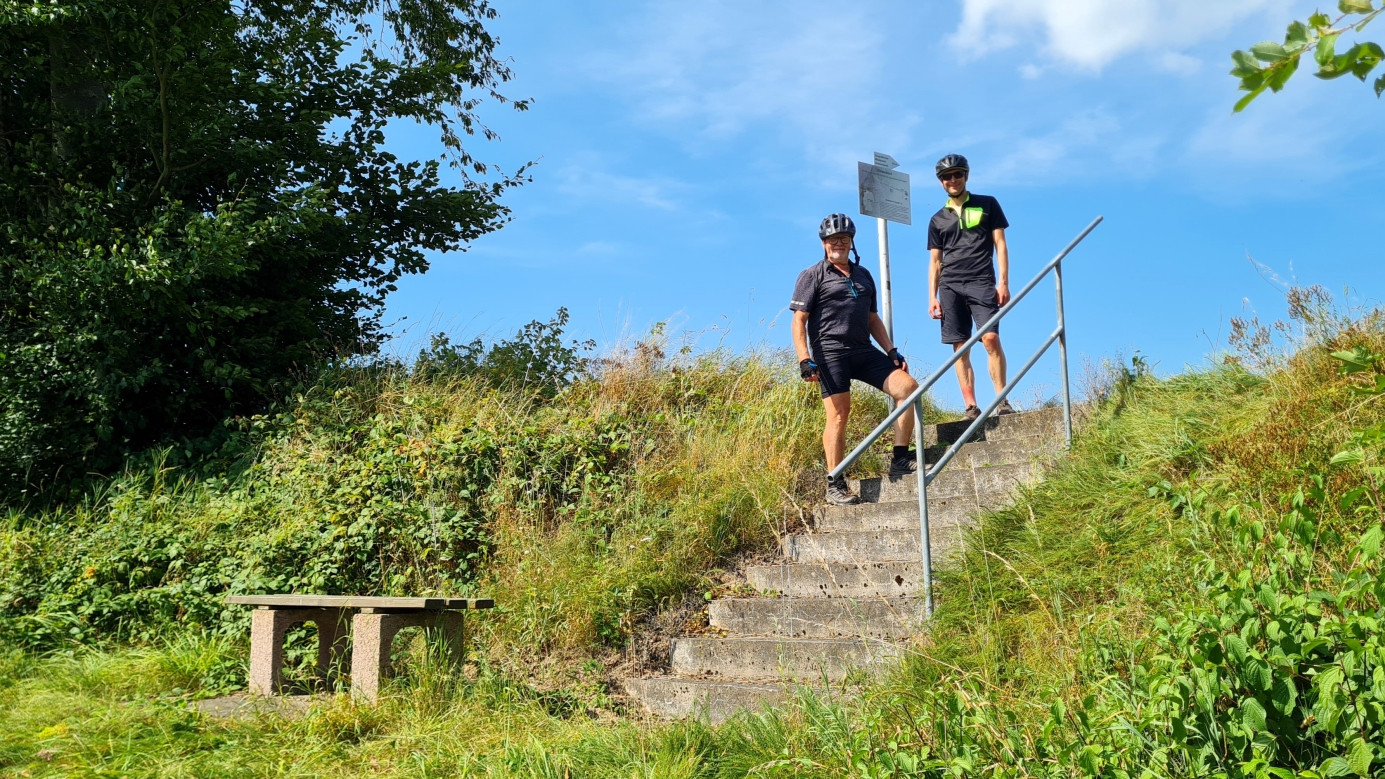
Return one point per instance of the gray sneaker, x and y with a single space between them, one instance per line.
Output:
971 413
1004 408
838 494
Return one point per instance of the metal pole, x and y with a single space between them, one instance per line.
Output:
886 300
922 475
1063 354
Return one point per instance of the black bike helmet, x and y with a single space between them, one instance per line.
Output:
952 162
835 224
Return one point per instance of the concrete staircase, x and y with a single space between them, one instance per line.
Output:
843 600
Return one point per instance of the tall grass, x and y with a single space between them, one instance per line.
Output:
1064 635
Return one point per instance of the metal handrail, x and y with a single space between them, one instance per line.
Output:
915 400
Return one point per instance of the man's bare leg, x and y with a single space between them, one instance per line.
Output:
838 408
995 360
900 385
966 378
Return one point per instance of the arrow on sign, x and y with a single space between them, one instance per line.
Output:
885 161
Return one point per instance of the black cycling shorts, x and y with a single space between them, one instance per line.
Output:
866 364
963 304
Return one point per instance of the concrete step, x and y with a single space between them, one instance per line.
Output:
993 486
676 698
780 659
815 617
1046 422
893 579
870 546
895 515
1007 451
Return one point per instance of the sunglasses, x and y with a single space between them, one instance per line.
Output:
956 174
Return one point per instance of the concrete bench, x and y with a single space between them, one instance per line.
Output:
373 624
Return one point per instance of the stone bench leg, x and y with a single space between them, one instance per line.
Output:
373 634
267 630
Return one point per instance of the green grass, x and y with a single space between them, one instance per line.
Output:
1193 513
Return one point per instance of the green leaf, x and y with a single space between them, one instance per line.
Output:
1283 696
1368 55
1327 48
1379 86
1369 545
1354 6
1269 51
1356 360
1253 715
1359 757
1236 648
1297 37
1320 21
1348 457
1280 72
1246 64
1335 766
1245 101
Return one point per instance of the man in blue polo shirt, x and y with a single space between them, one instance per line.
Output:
833 321
963 286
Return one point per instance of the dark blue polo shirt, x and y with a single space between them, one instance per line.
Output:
968 242
838 307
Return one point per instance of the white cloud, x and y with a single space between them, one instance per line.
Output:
1288 134
1090 34
1029 71
1178 63
591 181
719 69
1090 143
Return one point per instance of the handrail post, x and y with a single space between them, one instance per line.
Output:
922 475
1063 354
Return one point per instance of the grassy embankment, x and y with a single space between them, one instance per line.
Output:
1193 593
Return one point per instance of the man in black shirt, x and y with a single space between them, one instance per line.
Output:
834 319
962 283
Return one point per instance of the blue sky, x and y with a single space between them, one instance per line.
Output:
687 151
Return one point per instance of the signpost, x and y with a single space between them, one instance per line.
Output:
884 195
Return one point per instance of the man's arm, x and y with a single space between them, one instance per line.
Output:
882 336
800 339
935 273
800 335
1002 264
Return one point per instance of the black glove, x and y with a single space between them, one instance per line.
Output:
896 358
806 368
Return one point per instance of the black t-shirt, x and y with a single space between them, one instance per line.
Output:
968 243
838 307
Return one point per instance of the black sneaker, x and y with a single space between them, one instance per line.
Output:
971 413
903 466
838 494
1004 408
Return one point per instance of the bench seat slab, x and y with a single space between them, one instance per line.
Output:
359 602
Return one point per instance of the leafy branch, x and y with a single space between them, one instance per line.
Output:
1318 35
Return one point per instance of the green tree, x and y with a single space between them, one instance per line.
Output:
1268 65
197 208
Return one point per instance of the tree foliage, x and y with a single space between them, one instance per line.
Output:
196 205
1269 65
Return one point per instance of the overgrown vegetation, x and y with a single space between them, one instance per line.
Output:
579 502
197 208
1194 592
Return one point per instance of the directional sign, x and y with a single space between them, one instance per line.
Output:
884 191
885 161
